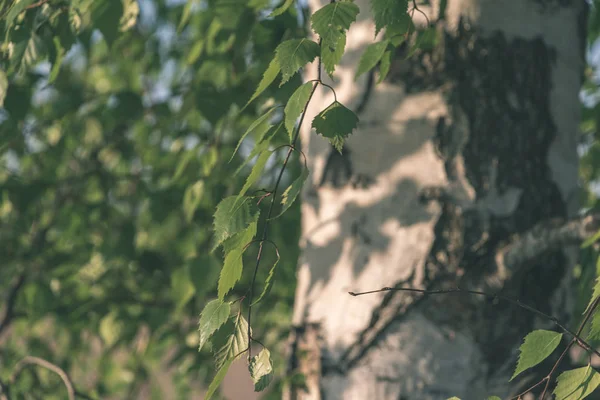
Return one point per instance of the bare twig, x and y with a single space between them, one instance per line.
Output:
31 360
575 335
273 197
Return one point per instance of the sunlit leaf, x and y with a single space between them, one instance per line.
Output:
576 384
3 87
537 346
261 370
213 316
218 379
296 105
268 77
236 343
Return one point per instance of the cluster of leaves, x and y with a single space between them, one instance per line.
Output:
116 133
237 217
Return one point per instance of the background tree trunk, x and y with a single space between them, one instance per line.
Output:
462 173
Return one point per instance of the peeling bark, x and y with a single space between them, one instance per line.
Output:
470 150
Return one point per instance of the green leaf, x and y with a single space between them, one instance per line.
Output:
281 9
257 169
16 8
261 370
182 287
261 126
336 122
371 57
233 264
228 220
213 316
384 67
27 50
595 293
106 16
191 199
331 53
268 281
185 15
218 379
3 87
60 53
236 343
292 191
538 345
328 21
268 78
576 384
493 398
293 54
264 140
110 328
296 105
594 333
591 240
388 13
453 398
131 11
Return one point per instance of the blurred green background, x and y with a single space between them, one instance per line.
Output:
116 131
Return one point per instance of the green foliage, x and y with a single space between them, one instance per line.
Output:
218 379
268 282
232 217
576 384
106 16
214 315
261 370
281 9
236 343
268 78
390 13
116 162
372 55
292 191
258 127
115 141
331 23
294 54
233 265
296 105
536 347
336 122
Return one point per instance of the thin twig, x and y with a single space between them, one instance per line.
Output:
274 195
575 339
31 360
516 302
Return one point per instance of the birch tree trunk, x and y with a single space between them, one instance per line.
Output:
463 173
